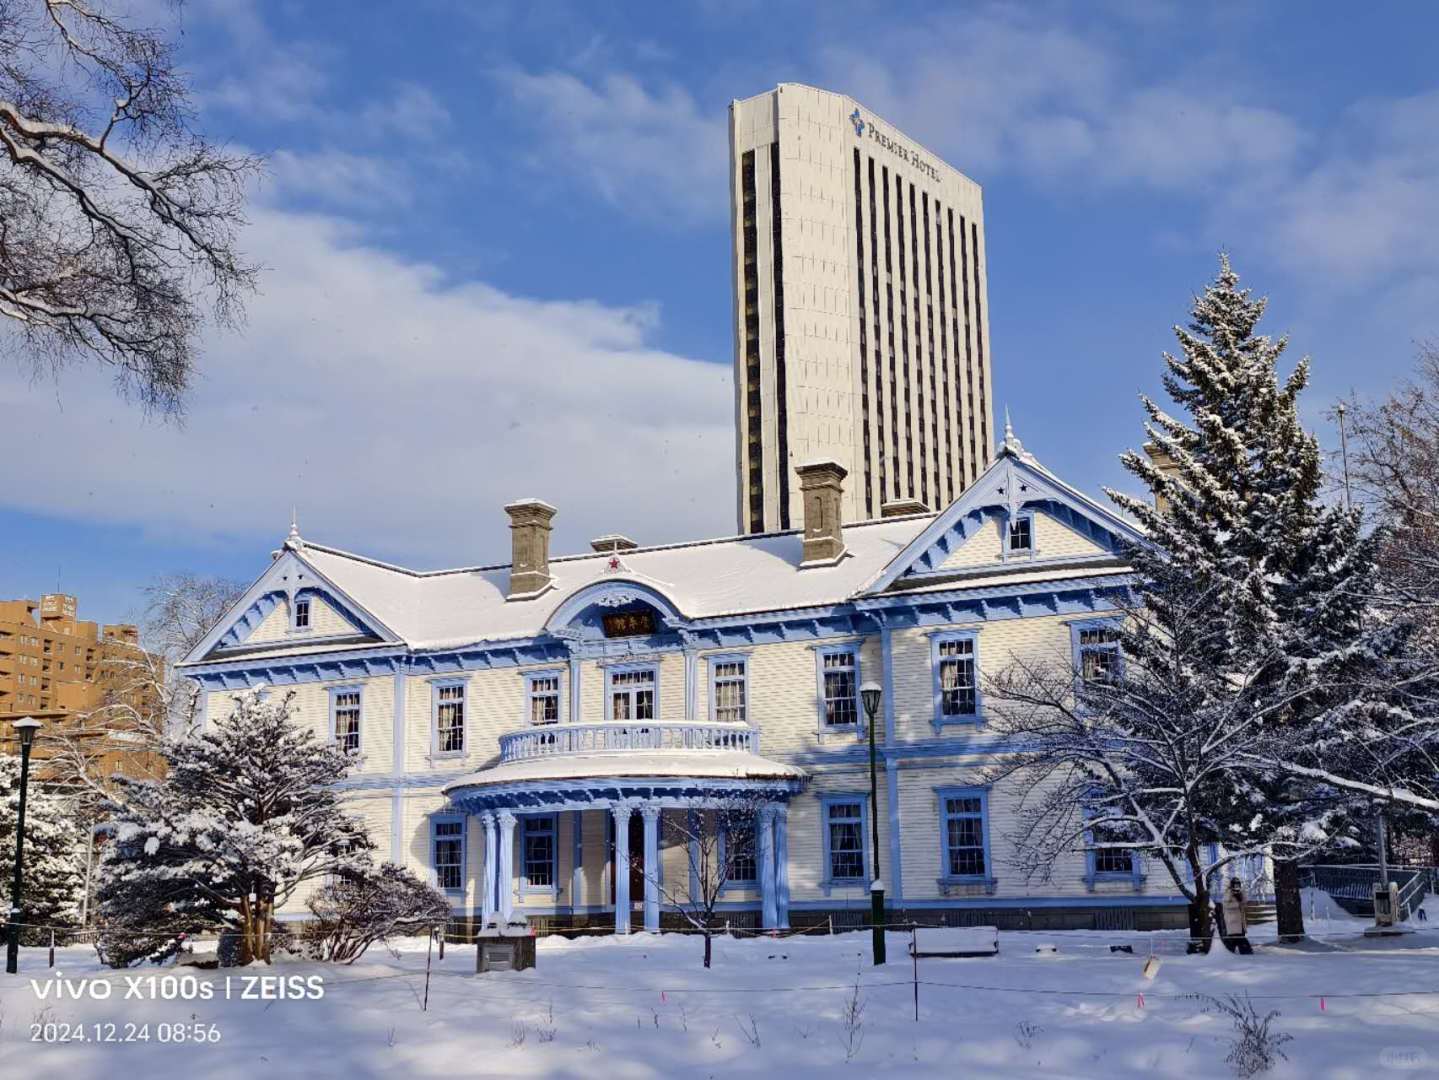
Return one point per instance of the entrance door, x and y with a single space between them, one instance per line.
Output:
637 861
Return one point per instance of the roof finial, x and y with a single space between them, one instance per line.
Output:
294 540
1011 441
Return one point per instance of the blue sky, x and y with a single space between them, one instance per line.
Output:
497 254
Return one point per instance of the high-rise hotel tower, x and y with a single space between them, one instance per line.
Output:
861 330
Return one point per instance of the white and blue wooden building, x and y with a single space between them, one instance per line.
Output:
522 731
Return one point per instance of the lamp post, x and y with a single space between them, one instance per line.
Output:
870 693
25 727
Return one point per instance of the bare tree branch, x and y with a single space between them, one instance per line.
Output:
116 217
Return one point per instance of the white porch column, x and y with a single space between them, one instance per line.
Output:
622 868
766 867
781 865
487 887
577 860
506 845
652 868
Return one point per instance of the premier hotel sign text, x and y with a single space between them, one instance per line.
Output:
897 149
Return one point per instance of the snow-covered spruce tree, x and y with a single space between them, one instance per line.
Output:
246 815
54 851
1243 519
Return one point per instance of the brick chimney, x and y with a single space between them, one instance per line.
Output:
821 483
530 545
1167 468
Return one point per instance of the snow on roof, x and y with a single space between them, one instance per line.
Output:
709 764
705 579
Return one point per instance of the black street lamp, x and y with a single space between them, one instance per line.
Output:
25 727
870 693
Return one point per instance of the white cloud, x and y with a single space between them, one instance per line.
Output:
339 178
400 412
410 112
653 154
1367 207
1016 91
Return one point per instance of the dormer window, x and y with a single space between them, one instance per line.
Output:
1021 534
302 614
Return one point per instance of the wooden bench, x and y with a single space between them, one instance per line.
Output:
955 941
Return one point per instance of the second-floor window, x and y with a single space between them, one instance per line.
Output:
346 705
838 672
544 699
1098 648
729 691
632 694
302 614
450 718
958 688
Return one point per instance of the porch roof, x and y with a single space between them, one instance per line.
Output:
624 764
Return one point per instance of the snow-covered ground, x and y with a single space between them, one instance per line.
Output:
644 1007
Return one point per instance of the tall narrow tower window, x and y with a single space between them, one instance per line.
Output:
879 396
863 338
781 410
979 338
754 430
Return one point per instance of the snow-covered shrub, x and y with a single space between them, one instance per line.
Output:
357 910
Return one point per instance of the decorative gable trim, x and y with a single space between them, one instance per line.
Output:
285 578
1015 483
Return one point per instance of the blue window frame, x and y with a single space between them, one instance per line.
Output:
447 716
300 613
447 852
542 697
633 692
739 852
964 835
539 847
1095 645
844 820
729 689
1019 537
1108 863
837 672
954 657
345 712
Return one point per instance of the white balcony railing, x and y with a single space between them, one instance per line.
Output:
626 735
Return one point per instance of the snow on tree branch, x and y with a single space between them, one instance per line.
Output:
117 218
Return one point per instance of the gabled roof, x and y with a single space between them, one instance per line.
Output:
1016 481
698 581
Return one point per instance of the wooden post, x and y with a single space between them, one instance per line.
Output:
425 1005
52 948
914 952
442 942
